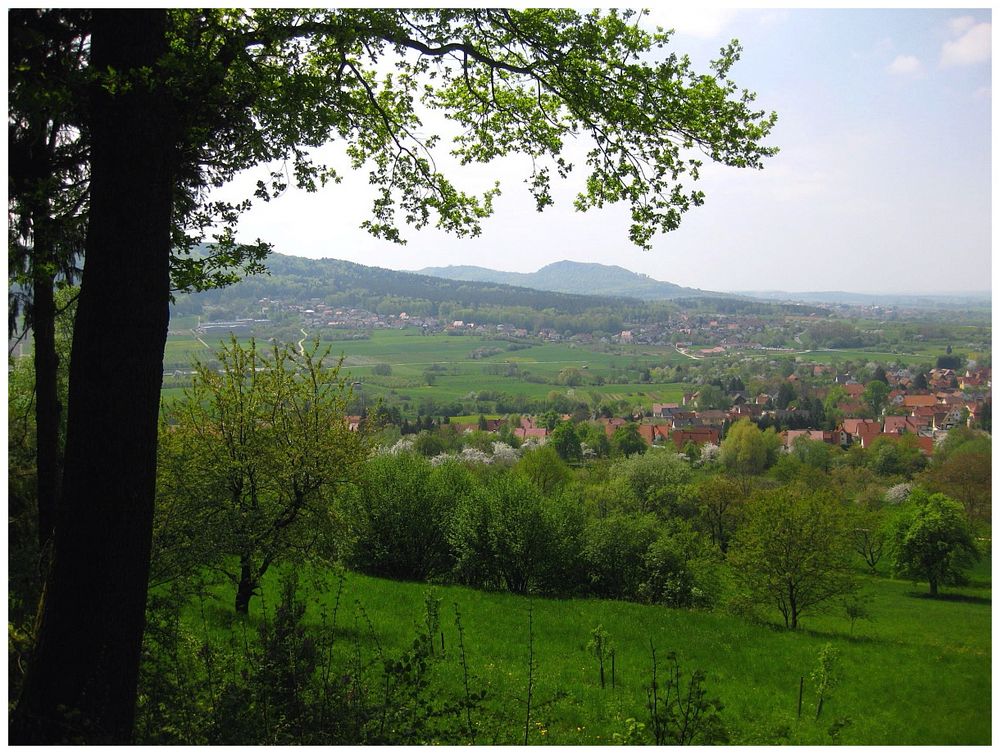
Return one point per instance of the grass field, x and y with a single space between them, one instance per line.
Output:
918 674
457 374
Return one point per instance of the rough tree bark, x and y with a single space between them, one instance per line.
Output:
81 682
47 406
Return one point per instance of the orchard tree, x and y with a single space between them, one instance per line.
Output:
255 453
177 101
933 541
793 552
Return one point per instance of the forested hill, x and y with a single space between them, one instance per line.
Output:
574 277
303 281
342 283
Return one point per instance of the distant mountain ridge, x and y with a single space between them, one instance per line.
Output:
917 300
582 278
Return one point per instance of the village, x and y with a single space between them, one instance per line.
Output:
921 410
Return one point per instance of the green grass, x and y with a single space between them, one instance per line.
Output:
918 674
411 355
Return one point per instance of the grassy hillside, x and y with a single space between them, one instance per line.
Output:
918 674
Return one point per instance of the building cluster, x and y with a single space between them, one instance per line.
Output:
925 413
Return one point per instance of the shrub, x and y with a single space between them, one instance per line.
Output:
397 519
500 535
681 570
615 553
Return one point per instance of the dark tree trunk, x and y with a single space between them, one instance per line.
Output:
246 588
81 682
934 587
47 408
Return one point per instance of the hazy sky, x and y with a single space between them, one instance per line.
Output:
883 182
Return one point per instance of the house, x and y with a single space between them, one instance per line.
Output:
746 409
697 435
897 425
854 389
663 410
912 401
538 433
819 435
653 432
713 417
948 418
683 419
860 431
851 407
610 425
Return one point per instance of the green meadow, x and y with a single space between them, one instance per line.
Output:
465 364
916 673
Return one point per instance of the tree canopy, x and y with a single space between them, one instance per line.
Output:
933 540
792 552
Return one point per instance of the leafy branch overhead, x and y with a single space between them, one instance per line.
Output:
514 82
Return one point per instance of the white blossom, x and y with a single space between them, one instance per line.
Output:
504 453
898 493
709 453
474 455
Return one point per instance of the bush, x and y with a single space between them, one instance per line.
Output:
615 553
680 570
500 536
658 481
397 517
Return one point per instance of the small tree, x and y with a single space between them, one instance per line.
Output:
253 454
566 442
933 541
792 552
682 716
744 452
626 441
826 675
869 536
875 396
602 647
720 506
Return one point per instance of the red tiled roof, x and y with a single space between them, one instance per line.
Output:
919 400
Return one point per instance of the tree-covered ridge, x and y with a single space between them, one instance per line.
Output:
337 282
348 283
573 277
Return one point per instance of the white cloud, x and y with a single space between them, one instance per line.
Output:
961 24
973 46
692 20
904 65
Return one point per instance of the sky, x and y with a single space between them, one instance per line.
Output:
882 183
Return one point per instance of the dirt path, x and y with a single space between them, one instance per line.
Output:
685 353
